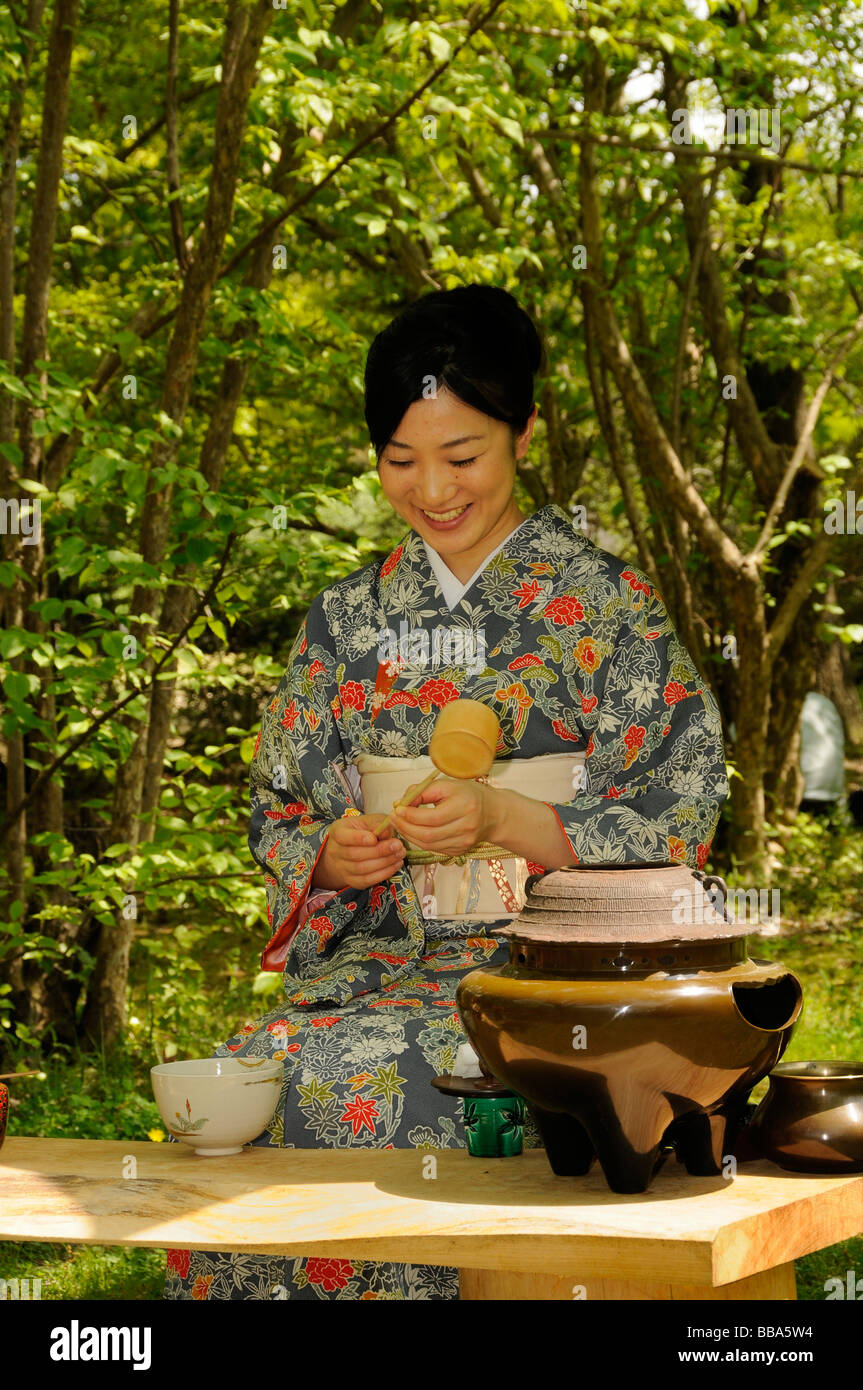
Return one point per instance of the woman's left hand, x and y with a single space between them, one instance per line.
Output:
449 817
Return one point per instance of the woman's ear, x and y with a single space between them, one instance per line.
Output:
522 443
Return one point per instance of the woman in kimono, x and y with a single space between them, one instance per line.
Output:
610 751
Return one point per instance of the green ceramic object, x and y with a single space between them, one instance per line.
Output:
493 1115
494 1125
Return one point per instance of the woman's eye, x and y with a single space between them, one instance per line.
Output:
456 463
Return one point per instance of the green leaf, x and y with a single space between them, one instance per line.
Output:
19 685
11 643
322 108
440 49
14 387
511 128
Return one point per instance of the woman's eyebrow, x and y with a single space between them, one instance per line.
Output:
450 443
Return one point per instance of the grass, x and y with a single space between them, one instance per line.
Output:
820 876
104 1273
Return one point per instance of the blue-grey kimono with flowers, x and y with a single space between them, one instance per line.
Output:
574 651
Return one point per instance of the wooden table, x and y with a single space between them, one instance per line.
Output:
513 1229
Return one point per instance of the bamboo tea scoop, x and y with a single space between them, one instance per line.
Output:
463 744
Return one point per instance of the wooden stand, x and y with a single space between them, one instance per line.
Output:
514 1229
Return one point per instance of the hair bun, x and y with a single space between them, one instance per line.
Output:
475 340
515 324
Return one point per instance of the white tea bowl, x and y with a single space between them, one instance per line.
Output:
217 1104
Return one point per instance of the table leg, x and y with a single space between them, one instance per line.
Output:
503 1284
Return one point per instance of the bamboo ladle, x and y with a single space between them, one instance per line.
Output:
463 744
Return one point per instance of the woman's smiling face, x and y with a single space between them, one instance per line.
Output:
449 472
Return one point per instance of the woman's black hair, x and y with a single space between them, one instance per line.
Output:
475 340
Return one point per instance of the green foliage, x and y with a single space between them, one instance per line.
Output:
298 503
819 872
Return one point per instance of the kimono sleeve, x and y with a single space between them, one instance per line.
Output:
654 774
297 781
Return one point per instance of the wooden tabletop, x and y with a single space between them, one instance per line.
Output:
476 1213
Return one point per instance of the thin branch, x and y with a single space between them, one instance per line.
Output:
630 381
194 878
48 772
172 157
114 361
374 134
112 196
581 134
689 295
192 95
796 596
797 458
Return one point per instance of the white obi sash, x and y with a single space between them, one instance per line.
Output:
478 889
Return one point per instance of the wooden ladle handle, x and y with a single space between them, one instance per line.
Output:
397 805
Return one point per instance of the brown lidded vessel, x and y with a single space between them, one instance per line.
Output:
811 1120
630 1016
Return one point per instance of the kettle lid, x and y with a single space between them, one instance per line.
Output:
623 903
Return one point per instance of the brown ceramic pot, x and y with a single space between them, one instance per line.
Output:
811 1120
627 1022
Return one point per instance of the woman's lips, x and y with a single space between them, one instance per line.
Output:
446 525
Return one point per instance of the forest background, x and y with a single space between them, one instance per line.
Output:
206 214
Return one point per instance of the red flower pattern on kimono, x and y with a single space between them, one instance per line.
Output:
565 611
290 716
352 695
527 593
391 561
179 1261
331 1274
638 586
437 692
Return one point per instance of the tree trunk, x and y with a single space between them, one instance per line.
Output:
48 814
105 1011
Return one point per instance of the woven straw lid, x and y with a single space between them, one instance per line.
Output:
620 904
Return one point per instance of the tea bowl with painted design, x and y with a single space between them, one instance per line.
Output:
217 1104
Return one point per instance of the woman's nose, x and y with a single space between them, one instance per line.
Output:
435 490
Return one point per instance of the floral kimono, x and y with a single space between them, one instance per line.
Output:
574 651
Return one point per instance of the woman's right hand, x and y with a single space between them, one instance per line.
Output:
354 857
